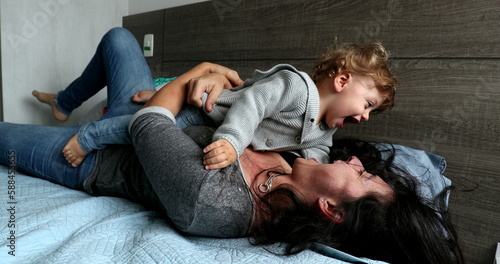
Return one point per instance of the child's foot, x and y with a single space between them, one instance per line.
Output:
49 99
143 96
73 153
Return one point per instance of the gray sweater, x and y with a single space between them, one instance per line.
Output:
164 171
279 113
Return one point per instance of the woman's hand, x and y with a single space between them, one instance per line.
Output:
174 94
220 154
231 75
213 83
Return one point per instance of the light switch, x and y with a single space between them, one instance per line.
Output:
147 47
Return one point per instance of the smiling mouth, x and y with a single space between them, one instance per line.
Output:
350 120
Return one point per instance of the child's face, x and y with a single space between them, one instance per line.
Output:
353 98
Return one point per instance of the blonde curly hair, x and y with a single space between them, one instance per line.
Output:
370 59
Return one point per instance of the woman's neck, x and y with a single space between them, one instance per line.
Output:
253 163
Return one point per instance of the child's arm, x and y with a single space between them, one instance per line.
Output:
279 92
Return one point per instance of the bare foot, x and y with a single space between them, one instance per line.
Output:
143 96
49 99
73 153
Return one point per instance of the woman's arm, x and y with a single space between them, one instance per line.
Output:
205 77
171 162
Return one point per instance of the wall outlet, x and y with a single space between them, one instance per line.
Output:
147 47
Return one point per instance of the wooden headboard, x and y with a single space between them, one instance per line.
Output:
445 53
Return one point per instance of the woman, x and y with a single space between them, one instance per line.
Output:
264 194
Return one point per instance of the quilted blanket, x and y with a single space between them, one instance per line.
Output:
42 222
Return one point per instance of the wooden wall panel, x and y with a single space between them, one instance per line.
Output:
149 23
245 68
451 108
300 29
445 53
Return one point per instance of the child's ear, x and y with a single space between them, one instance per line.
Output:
331 211
340 81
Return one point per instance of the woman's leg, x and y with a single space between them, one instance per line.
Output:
50 99
127 73
36 150
119 65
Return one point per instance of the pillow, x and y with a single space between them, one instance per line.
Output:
427 167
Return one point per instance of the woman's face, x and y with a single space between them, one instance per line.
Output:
338 181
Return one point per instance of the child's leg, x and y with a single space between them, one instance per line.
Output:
96 135
114 130
36 150
192 116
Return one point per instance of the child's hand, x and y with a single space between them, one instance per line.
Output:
219 155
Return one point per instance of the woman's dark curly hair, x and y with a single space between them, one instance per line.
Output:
407 229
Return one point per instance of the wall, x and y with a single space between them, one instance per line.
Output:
141 6
45 45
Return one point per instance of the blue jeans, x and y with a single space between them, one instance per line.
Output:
114 130
119 65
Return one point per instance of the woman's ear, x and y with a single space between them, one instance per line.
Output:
340 81
331 211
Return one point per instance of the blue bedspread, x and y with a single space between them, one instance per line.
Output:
46 223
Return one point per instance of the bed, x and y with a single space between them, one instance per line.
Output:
448 104
44 222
